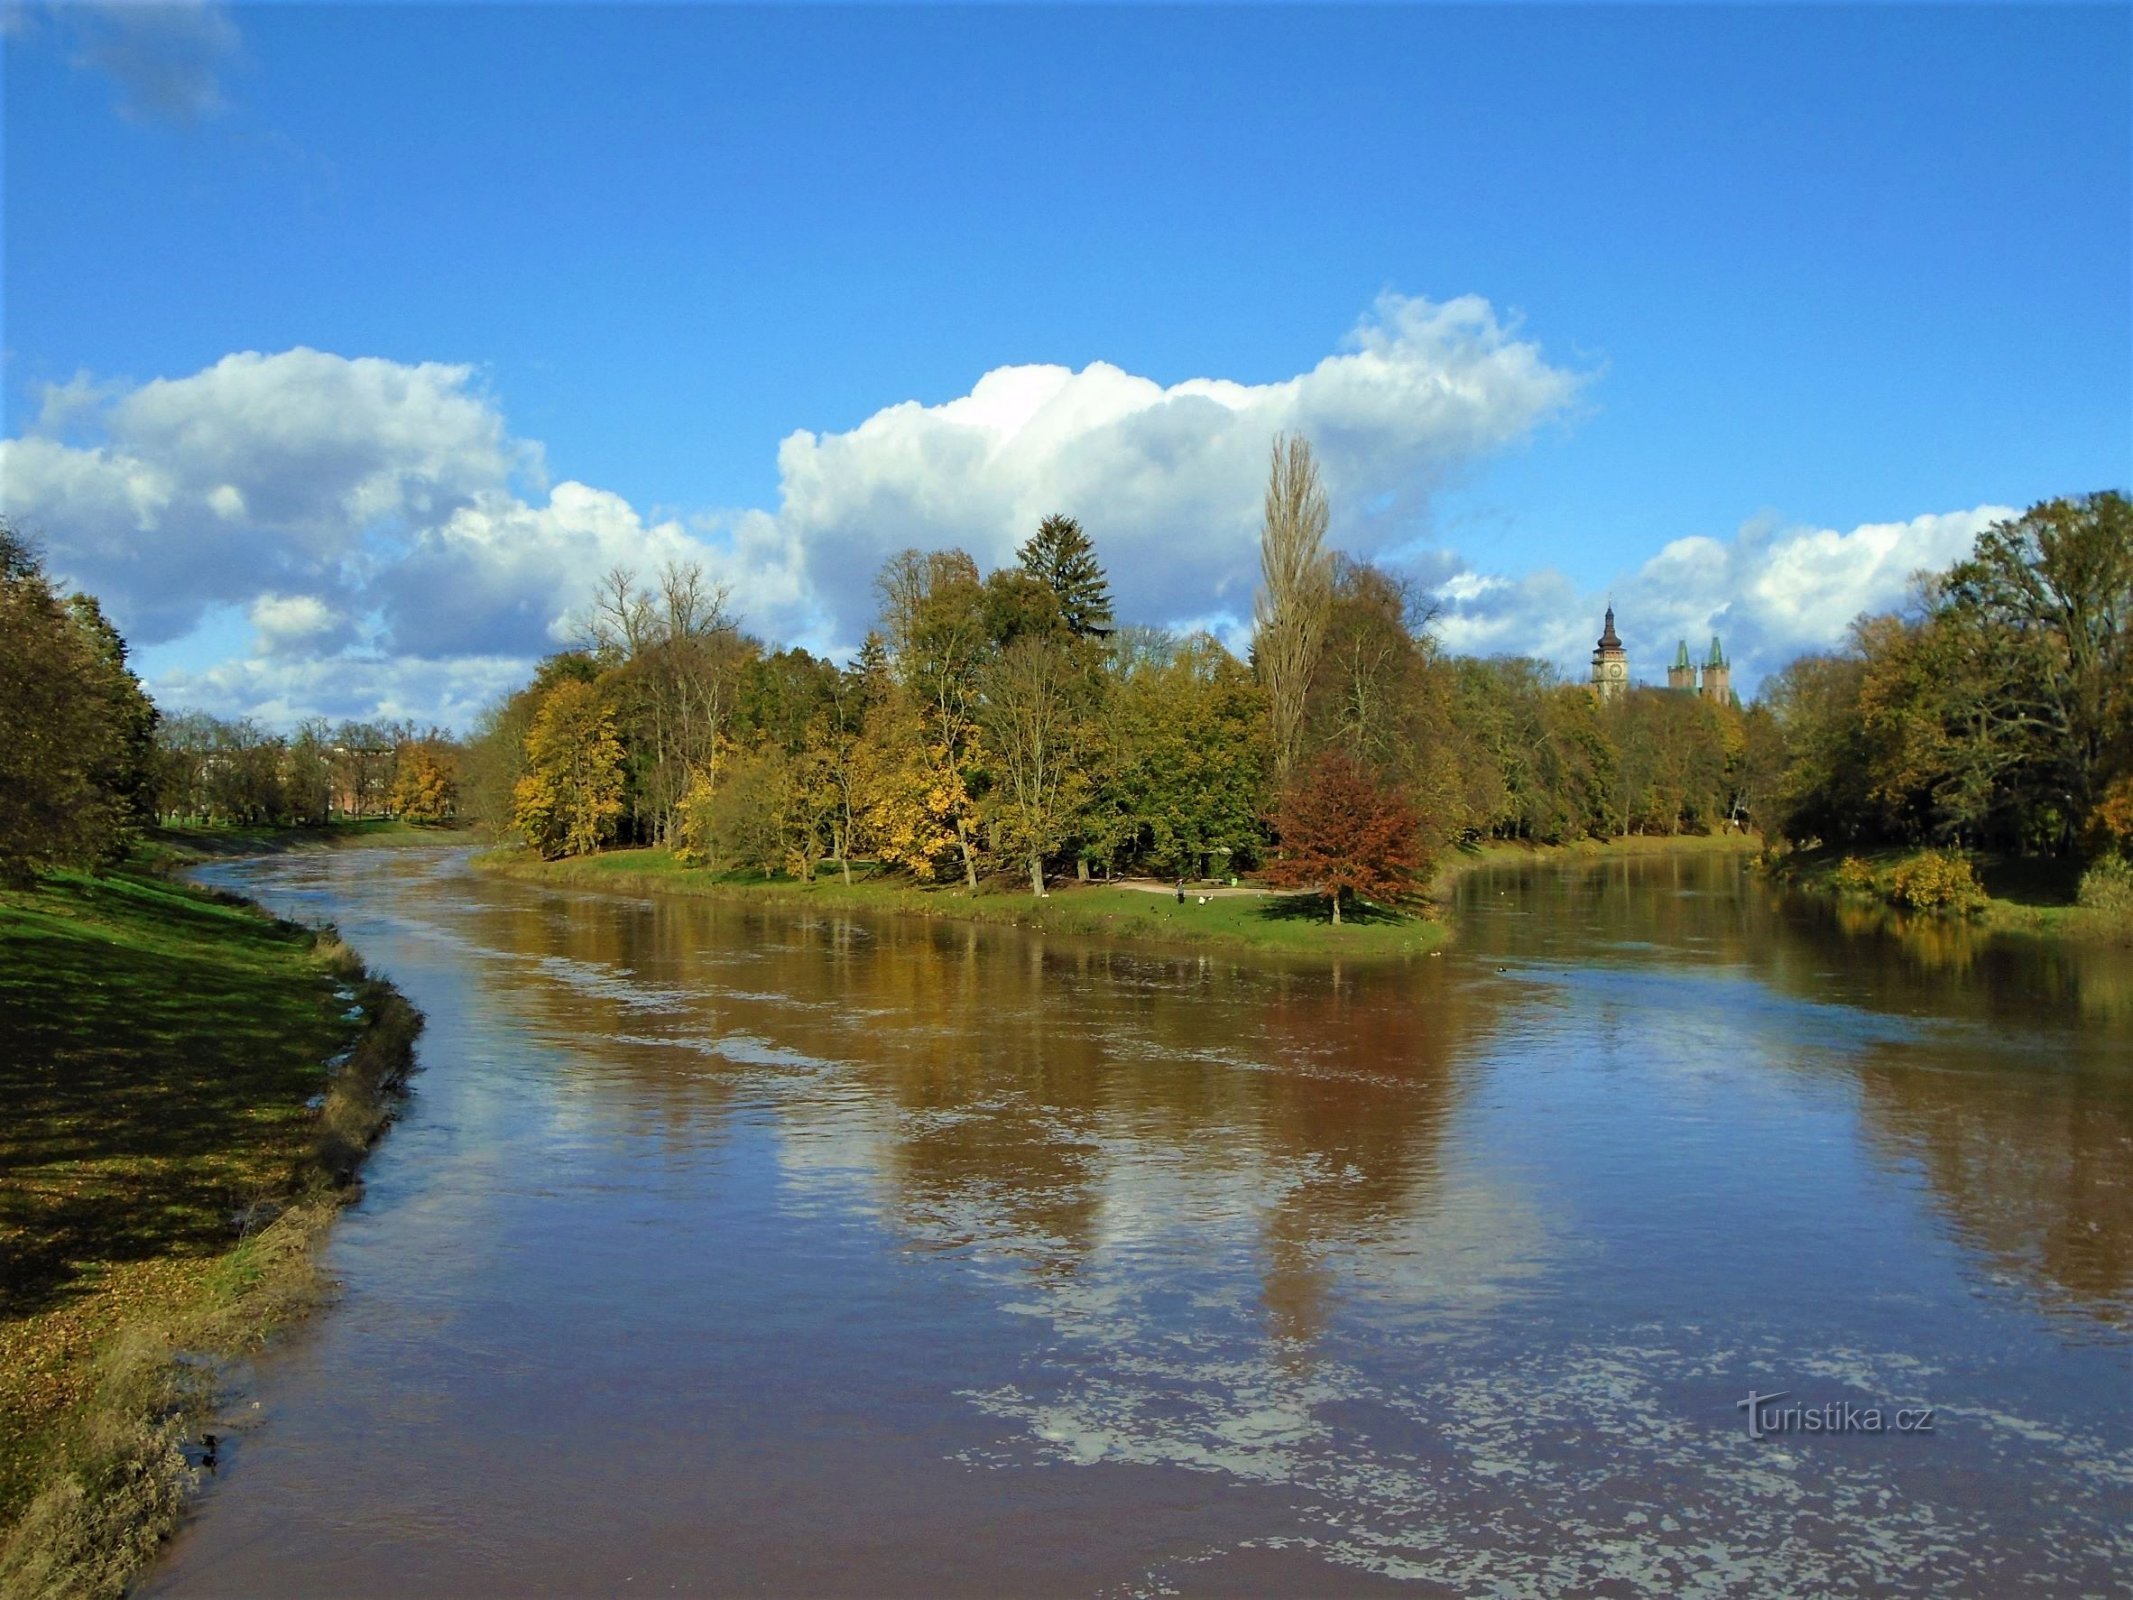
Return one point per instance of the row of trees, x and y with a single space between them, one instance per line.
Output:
206 769
76 730
1995 712
1004 722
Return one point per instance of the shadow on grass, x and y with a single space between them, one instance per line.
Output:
2031 882
1317 908
156 1051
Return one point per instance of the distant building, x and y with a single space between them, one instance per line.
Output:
1717 676
1610 663
1682 674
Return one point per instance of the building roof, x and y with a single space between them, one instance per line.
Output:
1608 640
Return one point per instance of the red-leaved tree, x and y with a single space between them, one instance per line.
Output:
1343 833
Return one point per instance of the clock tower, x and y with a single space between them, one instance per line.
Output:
1610 663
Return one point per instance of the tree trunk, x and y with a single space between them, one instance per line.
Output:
1081 868
1336 908
970 863
846 863
1036 875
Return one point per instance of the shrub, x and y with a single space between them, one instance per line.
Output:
1935 880
2108 886
1856 877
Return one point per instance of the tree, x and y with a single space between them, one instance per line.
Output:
425 789
73 770
127 771
1345 834
934 614
1294 594
749 820
1188 757
571 794
1060 556
2056 586
1035 726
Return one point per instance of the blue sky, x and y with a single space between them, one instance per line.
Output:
1755 310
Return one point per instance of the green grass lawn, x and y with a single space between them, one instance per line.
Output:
1284 924
160 1048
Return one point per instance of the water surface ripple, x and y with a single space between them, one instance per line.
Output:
750 1251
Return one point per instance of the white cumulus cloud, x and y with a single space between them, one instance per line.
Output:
379 527
1772 591
1167 480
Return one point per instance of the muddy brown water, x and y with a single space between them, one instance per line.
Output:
734 1251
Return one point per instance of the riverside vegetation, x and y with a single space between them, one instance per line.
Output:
1000 727
191 1086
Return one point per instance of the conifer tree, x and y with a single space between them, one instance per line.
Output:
1062 557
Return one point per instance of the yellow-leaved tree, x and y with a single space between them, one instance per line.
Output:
571 795
425 788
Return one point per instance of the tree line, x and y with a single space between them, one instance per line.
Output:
1995 712
87 760
234 772
1005 723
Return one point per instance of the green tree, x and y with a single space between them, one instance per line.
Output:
1061 557
71 718
2054 589
1035 713
1187 772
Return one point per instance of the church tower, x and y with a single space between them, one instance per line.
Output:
1682 674
1717 675
1610 663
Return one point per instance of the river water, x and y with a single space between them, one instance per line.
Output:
759 1252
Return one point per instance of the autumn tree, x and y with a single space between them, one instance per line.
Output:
935 619
1345 835
426 788
1295 591
1061 557
569 799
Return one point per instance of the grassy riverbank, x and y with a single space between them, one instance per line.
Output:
176 1141
180 845
2023 895
1287 924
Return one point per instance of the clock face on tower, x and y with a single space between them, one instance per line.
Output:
1615 669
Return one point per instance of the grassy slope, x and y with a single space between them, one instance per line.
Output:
158 1046
1285 924
2027 895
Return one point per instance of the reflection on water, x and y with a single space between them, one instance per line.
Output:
728 1248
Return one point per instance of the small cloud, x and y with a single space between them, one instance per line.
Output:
289 623
165 57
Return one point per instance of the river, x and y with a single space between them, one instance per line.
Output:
743 1250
